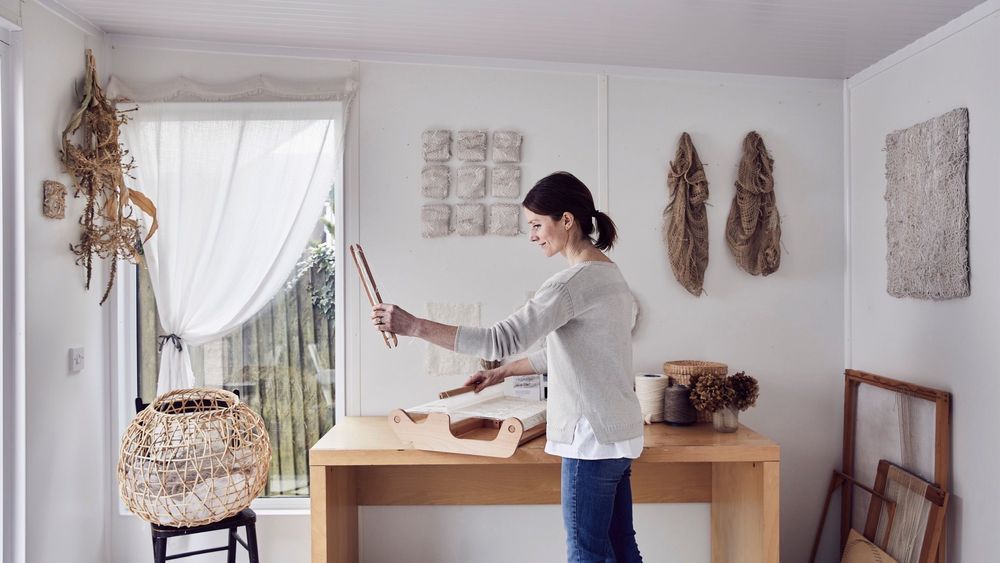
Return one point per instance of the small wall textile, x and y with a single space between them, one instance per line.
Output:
435 180
927 219
435 220
53 199
685 228
439 361
470 182
753 231
506 146
437 145
505 219
470 146
506 181
470 219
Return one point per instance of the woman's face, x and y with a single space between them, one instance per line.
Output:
547 232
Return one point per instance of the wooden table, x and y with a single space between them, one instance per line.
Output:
361 462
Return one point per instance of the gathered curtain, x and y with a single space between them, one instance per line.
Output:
239 175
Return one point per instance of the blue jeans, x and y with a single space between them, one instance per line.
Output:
597 511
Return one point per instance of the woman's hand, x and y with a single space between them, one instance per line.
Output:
391 318
486 378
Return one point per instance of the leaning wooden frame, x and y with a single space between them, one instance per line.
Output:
939 401
839 480
919 508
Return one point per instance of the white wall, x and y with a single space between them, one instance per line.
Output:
66 432
952 344
787 329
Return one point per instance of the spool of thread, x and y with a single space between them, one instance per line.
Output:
677 407
649 388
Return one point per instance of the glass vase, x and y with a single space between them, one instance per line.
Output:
726 419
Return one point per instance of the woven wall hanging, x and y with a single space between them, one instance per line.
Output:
753 230
927 210
685 224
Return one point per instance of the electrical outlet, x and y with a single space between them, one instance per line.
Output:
76 360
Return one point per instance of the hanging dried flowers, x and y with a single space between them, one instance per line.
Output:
99 166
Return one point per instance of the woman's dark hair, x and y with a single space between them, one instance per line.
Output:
563 192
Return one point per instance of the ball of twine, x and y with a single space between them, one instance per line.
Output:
649 389
677 407
193 457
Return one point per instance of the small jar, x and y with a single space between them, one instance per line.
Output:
726 419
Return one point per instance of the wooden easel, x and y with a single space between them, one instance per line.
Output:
371 290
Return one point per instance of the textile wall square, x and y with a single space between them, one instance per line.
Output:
927 220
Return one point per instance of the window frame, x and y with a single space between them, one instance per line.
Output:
12 380
122 321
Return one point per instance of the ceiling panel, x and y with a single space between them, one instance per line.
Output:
809 38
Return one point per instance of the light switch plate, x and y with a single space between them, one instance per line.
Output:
76 360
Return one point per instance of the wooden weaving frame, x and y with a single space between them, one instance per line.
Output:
853 380
934 532
836 481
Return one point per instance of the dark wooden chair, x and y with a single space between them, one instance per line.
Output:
246 519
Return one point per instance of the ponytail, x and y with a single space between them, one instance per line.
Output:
607 233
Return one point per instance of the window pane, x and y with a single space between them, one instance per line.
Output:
281 362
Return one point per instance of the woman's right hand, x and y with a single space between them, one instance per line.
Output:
393 318
486 378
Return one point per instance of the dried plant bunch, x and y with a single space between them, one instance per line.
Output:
745 390
98 166
711 393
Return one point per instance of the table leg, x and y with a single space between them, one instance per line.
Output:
334 514
745 512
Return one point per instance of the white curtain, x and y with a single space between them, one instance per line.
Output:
239 187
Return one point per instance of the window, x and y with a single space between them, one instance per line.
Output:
281 359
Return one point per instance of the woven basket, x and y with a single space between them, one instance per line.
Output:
687 372
193 457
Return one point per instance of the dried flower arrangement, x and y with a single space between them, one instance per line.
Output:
713 392
98 167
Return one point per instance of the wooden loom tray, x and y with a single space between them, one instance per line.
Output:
465 433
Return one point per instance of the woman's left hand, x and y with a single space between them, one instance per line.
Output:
392 318
486 378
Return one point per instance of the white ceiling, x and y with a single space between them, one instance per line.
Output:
808 38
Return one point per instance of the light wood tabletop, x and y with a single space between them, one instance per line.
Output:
368 440
361 462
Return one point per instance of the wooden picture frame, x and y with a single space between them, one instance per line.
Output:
940 404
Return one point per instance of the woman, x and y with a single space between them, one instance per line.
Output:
584 313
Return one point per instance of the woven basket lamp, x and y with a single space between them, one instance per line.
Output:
687 372
193 457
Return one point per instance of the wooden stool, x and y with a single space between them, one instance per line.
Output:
246 518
